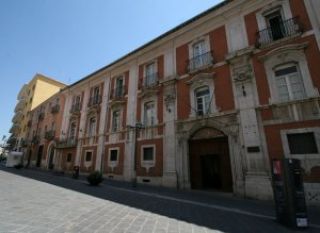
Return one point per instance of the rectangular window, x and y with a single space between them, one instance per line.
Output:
149 113
88 156
275 23
92 127
203 101
151 75
289 84
148 154
113 155
302 143
119 91
115 121
69 157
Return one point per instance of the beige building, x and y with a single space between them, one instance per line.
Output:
39 89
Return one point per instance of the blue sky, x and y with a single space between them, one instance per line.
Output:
67 40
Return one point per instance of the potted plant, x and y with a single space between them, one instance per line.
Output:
95 178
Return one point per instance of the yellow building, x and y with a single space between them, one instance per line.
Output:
39 89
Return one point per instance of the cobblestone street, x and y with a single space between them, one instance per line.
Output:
44 204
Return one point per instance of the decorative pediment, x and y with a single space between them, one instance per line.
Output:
284 50
242 73
200 79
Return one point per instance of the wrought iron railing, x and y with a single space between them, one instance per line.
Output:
67 143
75 108
200 61
286 28
118 92
94 100
55 109
49 135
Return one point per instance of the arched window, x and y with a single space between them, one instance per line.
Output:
202 99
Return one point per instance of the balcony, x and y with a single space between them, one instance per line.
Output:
17 117
200 62
55 109
35 140
41 116
20 106
150 80
94 101
297 110
15 129
75 108
118 93
49 135
67 143
286 28
24 143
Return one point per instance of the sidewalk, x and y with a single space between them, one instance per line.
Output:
217 201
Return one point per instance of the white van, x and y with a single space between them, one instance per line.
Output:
14 158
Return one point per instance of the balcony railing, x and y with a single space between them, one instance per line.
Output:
67 143
199 62
151 80
286 28
55 109
94 100
118 92
41 116
24 143
35 140
49 135
297 110
75 108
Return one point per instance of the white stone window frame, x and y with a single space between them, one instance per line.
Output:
143 103
307 160
282 6
147 164
206 40
114 109
296 57
202 82
115 163
85 162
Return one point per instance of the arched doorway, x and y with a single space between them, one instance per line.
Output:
209 160
51 157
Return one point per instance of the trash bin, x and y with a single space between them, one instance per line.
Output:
75 174
289 193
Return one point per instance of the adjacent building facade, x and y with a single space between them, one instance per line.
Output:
30 96
207 105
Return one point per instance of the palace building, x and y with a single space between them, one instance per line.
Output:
206 105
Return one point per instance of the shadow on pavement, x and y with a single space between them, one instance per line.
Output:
150 199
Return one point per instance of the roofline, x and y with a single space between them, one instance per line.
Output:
206 12
46 78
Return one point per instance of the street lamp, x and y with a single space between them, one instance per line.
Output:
136 127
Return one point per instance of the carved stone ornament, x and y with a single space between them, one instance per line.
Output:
242 73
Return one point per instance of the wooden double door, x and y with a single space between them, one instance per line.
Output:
210 166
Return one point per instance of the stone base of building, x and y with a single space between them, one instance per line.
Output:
169 179
258 186
312 193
